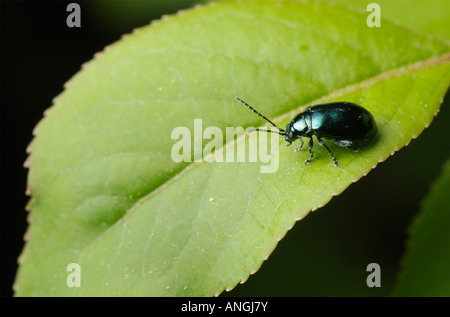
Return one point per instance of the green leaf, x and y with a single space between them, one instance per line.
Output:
426 265
106 193
429 16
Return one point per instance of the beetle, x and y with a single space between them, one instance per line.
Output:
345 123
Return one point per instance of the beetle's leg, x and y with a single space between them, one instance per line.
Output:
310 146
301 145
336 163
347 144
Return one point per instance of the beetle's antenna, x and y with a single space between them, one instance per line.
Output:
262 116
268 131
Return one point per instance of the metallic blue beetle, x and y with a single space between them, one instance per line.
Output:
345 123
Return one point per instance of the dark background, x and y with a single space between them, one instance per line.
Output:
367 223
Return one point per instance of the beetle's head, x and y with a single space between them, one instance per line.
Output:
290 134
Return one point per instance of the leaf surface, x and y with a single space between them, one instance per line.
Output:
424 16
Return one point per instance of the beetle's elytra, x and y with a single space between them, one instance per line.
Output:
343 122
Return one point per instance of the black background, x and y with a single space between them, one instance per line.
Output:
39 53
